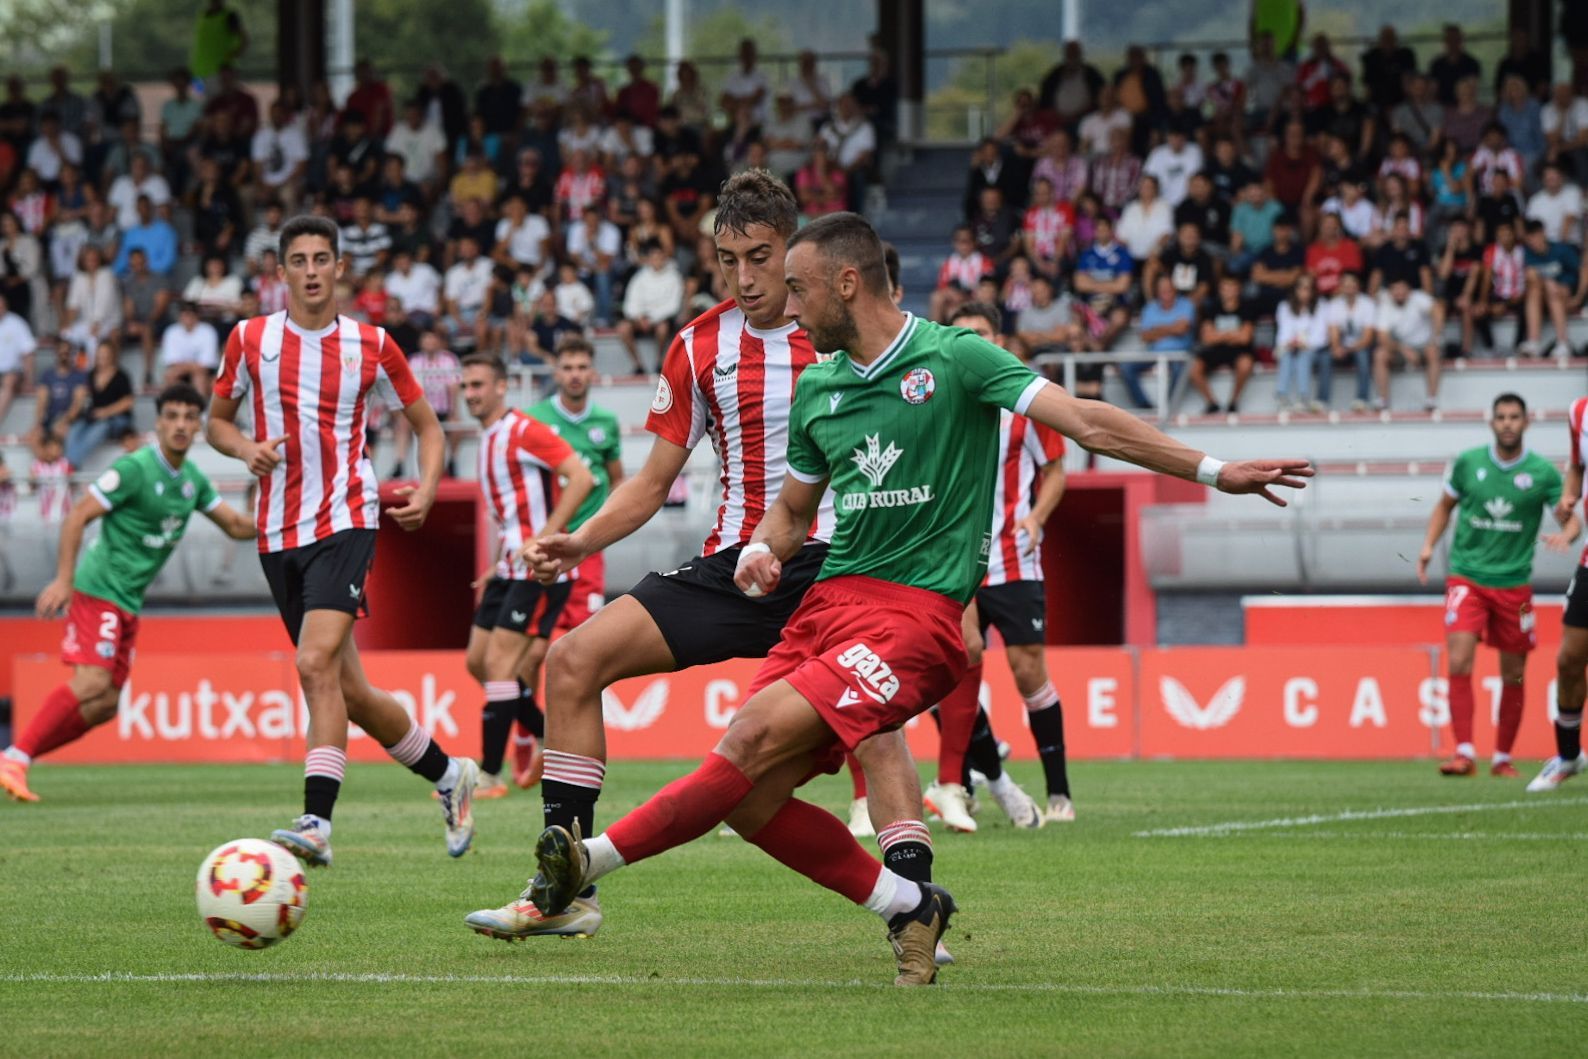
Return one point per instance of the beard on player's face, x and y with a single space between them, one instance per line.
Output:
834 329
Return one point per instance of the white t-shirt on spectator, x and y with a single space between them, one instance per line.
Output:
574 301
467 283
1097 127
1307 328
608 240
797 129
1174 169
278 152
199 346
16 342
807 102
656 295
570 140
124 192
419 290
1552 211
1357 219
224 295
615 147
526 242
1142 229
1410 324
46 161
1569 121
417 148
741 85
849 142
1353 320
96 299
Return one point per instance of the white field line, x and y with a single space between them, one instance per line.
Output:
1452 836
379 978
1233 826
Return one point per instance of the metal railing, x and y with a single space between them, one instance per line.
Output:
1166 391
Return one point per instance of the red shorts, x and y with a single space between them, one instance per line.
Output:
869 655
588 594
1503 618
99 633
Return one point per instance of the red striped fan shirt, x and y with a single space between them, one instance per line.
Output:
314 387
725 378
1507 273
519 457
1024 449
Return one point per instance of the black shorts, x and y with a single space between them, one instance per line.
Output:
1215 357
1576 615
326 575
524 606
705 618
1017 609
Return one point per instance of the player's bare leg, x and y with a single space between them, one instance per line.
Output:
1460 650
319 661
505 651
84 702
948 796
1513 669
773 738
1029 665
621 640
530 731
1571 687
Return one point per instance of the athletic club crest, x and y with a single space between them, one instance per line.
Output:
917 385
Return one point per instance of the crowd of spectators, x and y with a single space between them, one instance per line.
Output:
499 219
1355 212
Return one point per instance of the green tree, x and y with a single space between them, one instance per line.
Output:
711 41
402 38
976 97
541 30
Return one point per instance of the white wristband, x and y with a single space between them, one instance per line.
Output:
755 548
1208 471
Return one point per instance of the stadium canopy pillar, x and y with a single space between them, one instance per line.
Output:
901 33
300 43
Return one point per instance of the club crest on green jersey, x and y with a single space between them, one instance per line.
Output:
917 385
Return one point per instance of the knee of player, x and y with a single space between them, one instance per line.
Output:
101 707
570 660
476 667
747 739
91 682
1570 663
975 646
316 665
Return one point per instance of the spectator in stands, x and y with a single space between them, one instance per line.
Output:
747 84
1064 170
61 393
579 133
1558 206
1301 334
853 140
1139 87
1168 325
580 186
648 227
421 145
1105 279
1173 162
394 190
1409 325
280 155
190 350
1500 207
786 135
810 93
996 228
470 222
218 217
1048 325
228 149
623 139
16 352
1355 210
1396 198
1295 175
1147 223
366 243
154 236
1316 74
109 408
1277 267
53 148
689 102
1047 230
1225 339
546 327
499 100
1519 112
1502 287
687 191
179 125
21 268
216 292
988 168
1352 321
1385 67
573 299
595 248
1564 121
531 183
640 99
1522 61
416 287
233 99
546 92
467 290
410 233
1496 155
1025 134
475 180
1072 88
67 107
1557 282
740 138
1187 264
1267 78
1252 224
267 290
1453 65
140 179
654 297
958 275
588 93
1460 266
876 96
522 238
266 235
1447 185
1331 255
438 372
1096 128
822 187
1403 256
1116 175
92 313
1228 171
1209 213
1419 116
145 300
1466 119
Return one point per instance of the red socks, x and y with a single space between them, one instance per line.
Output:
957 715
1461 708
816 844
683 810
1511 699
59 721
857 775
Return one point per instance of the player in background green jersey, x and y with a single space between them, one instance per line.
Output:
903 422
144 500
1500 492
597 437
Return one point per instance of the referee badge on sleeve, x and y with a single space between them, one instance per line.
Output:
663 401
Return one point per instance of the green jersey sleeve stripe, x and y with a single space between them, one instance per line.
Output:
800 476
104 501
1028 395
214 503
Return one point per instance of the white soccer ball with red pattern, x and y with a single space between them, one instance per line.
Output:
251 893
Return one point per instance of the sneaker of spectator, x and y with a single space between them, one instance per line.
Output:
92 313
108 412
467 290
573 299
217 211
216 292
190 350
653 299
595 248
61 392
1409 325
1225 339
366 243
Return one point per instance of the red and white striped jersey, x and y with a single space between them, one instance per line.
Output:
1044 226
52 483
1579 444
578 190
964 272
723 377
1024 448
519 457
1507 273
315 387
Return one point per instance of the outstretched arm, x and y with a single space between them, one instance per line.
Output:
1104 429
56 595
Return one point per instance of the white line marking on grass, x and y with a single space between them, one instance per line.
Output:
384 978
1455 836
1233 826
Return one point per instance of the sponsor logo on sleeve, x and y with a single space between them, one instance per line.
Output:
662 403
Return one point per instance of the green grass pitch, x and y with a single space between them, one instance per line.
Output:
1396 930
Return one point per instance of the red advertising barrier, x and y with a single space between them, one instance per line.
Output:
1189 702
1371 621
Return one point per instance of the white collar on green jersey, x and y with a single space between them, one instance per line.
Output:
572 417
159 454
870 371
1494 454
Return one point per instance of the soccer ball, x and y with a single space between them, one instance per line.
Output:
251 893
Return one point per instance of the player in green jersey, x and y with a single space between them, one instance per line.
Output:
1499 492
595 434
903 422
143 501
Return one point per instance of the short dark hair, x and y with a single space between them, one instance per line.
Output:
890 261
574 344
755 196
848 239
306 224
486 360
1533 226
180 393
984 310
1509 398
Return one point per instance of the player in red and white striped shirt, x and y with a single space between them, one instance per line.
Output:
520 462
52 480
730 375
1029 487
308 375
1571 664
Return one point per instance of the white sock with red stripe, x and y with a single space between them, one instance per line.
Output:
324 768
907 849
576 770
1042 698
425 757
569 787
